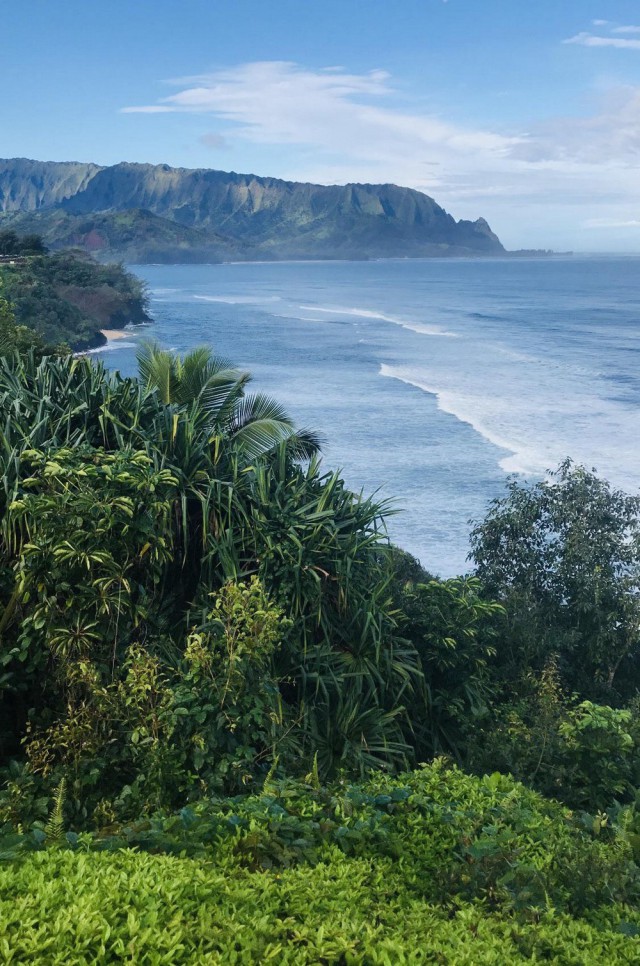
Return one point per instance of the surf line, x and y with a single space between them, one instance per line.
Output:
446 402
418 327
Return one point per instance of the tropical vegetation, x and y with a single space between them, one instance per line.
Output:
432 866
65 298
219 684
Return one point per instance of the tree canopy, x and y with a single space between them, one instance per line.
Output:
563 556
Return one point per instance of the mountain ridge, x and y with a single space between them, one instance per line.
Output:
202 214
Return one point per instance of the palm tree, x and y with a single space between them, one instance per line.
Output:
255 425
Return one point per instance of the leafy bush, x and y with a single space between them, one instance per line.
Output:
587 755
601 753
446 623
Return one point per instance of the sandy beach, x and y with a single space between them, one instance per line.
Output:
112 334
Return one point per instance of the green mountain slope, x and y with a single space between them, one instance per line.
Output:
150 212
134 235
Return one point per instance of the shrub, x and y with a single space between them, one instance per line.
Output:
585 754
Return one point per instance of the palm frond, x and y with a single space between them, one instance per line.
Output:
158 370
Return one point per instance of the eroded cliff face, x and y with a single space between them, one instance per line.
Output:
31 185
157 211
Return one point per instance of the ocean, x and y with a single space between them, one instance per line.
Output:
431 380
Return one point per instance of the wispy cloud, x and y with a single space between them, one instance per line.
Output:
610 223
626 30
332 111
611 135
593 40
243 92
214 141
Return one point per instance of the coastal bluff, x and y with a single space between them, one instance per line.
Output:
156 213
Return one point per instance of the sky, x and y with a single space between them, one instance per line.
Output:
527 114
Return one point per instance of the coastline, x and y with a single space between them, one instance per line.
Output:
105 340
112 334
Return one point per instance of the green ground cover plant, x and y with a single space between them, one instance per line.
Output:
434 866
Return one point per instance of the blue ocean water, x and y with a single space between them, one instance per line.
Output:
431 380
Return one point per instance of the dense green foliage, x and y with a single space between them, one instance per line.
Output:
148 527
564 557
21 338
67 297
433 866
20 246
157 532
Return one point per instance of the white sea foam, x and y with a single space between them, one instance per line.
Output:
238 299
539 422
111 346
467 409
418 327
422 329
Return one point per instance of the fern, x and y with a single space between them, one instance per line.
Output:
313 778
54 828
267 786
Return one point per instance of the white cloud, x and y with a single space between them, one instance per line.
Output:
592 40
151 109
610 223
610 136
244 93
280 102
626 30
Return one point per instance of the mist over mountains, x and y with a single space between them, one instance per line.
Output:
155 213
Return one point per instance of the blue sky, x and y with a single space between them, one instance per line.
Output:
525 113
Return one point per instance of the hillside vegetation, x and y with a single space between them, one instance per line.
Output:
145 212
219 682
66 297
430 867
